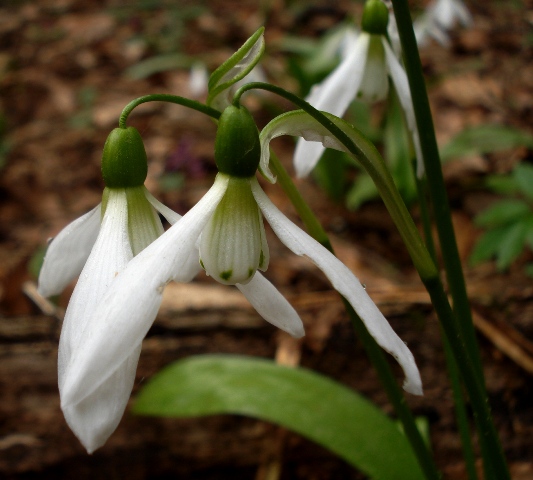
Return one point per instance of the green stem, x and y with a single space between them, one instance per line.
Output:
164 97
492 451
373 350
458 395
370 159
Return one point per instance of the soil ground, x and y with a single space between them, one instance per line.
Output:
67 70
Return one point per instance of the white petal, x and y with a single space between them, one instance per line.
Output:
375 83
464 16
401 84
170 215
131 303
334 95
68 252
94 419
97 416
191 267
345 282
110 254
272 305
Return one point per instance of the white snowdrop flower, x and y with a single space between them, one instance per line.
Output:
439 18
224 231
96 247
363 74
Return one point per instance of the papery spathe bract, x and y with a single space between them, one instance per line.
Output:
234 69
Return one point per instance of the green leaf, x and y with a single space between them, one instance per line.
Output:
330 173
511 245
362 191
523 175
502 184
398 152
301 400
502 212
487 245
485 139
159 63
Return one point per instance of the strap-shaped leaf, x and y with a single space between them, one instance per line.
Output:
306 402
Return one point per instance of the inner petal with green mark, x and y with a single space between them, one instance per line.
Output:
233 244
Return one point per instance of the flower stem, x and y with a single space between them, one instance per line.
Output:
453 372
495 464
373 350
164 97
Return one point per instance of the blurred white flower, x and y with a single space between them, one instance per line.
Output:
439 18
363 74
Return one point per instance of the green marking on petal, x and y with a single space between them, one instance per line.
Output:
251 271
202 264
226 275
261 259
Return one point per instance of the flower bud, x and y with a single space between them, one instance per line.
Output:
237 147
375 17
124 162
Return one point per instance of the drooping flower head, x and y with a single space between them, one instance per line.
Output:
224 233
227 225
363 74
96 247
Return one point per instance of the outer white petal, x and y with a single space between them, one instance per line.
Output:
191 267
272 305
345 282
130 305
401 84
93 421
334 95
68 252
97 416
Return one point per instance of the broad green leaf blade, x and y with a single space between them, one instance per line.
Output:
298 399
502 212
485 139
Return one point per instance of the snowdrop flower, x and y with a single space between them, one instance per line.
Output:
224 231
363 74
446 13
439 18
96 247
